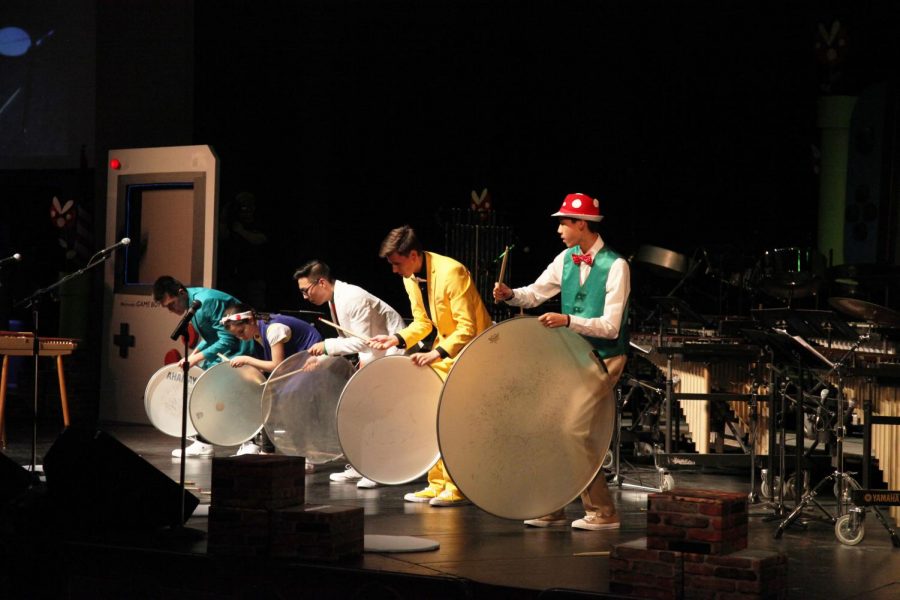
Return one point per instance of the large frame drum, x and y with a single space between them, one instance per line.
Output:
225 404
299 404
163 398
386 420
525 419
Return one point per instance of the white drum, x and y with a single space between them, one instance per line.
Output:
163 398
299 403
525 419
386 420
225 404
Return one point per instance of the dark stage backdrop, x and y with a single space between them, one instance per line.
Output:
694 122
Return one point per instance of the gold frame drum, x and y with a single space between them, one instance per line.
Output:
299 403
225 404
386 420
163 398
526 417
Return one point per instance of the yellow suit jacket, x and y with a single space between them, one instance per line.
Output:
455 306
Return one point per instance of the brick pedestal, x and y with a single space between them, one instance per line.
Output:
258 510
317 532
746 574
238 531
642 572
697 521
696 549
258 481
639 571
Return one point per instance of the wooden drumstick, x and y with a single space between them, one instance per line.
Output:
271 379
347 331
223 357
502 269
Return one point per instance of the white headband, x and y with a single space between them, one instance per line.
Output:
247 315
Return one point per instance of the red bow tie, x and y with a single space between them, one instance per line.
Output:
583 258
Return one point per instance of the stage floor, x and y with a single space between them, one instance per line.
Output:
482 552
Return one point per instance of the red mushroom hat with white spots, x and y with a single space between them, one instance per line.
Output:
579 206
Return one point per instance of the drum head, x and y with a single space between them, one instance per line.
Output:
386 420
225 404
163 399
525 419
299 403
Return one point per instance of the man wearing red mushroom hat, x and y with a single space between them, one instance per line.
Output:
594 284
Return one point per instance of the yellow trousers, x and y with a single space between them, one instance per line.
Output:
438 478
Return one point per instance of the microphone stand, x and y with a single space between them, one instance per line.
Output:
33 302
178 529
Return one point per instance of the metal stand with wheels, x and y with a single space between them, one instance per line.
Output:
850 527
664 479
841 480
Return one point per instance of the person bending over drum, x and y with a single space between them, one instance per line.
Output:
443 298
352 308
356 310
274 338
594 286
207 321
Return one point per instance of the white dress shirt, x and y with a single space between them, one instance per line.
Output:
357 310
548 285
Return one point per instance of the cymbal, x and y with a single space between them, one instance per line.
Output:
866 311
662 262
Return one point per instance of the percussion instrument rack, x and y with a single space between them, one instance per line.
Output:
703 347
849 528
839 478
665 481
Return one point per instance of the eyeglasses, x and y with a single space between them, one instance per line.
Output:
305 292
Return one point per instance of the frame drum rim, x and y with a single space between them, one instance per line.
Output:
157 379
333 367
501 431
244 379
368 448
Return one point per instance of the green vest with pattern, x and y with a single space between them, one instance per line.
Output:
589 300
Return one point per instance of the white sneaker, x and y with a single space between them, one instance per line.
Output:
196 450
367 483
248 448
348 475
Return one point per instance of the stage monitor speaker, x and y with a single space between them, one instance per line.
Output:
103 485
14 479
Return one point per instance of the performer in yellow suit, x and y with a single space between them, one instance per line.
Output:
443 298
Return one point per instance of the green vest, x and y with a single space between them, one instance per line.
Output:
589 300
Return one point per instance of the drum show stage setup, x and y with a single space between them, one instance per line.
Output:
768 383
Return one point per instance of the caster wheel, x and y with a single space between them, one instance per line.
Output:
791 482
608 460
667 483
765 492
847 533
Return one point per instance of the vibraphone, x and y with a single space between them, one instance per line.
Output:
704 368
875 387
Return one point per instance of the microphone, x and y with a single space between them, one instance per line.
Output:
14 257
186 318
123 242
